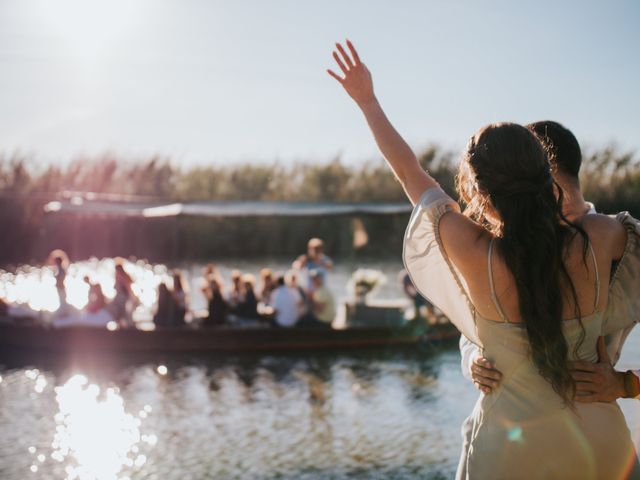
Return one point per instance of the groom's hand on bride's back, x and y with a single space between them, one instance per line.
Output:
595 382
598 382
485 377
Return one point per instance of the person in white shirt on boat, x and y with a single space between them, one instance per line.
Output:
286 303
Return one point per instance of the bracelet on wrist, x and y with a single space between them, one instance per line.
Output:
631 384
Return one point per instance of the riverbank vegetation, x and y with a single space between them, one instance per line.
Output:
610 179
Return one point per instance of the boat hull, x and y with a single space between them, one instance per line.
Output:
214 339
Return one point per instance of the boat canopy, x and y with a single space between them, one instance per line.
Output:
82 206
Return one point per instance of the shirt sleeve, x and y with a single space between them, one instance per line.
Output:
615 341
430 270
623 308
468 351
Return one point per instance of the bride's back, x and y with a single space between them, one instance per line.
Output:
521 260
588 265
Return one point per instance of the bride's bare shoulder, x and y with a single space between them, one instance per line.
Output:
605 232
464 240
601 225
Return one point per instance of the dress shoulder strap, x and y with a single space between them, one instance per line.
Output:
494 297
595 266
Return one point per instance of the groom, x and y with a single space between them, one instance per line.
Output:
595 382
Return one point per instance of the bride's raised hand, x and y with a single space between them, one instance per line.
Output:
357 78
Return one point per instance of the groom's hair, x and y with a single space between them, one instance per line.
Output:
562 146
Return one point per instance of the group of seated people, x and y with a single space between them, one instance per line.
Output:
279 299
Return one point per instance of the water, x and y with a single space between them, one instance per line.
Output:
372 414
375 414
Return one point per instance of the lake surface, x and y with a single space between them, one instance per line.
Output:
376 414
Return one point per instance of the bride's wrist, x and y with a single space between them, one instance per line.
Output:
369 104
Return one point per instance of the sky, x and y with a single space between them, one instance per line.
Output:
211 82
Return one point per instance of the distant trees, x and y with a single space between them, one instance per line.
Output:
159 178
610 179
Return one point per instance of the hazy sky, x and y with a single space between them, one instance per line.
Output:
224 81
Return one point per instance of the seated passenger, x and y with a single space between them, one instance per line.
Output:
248 307
180 298
95 314
422 307
96 301
323 307
165 308
4 308
286 303
267 285
236 292
218 307
291 279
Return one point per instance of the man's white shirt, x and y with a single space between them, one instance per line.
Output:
286 302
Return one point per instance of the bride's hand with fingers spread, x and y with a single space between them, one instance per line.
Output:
356 78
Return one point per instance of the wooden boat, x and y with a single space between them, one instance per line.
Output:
215 339
380 323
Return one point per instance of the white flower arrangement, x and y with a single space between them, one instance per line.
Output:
366 280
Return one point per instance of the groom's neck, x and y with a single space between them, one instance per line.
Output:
573 205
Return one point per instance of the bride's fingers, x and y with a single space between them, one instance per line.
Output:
354 54
346 57
335 75
340 64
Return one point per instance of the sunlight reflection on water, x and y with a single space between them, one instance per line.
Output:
378 415
95 431
270 417
36 286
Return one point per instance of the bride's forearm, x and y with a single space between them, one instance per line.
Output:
397 152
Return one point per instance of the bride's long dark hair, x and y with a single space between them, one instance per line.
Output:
505 180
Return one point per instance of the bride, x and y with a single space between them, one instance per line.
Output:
521 281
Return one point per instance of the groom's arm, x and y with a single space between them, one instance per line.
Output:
468 351
600 382
477 368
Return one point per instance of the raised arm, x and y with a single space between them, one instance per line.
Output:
357 82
